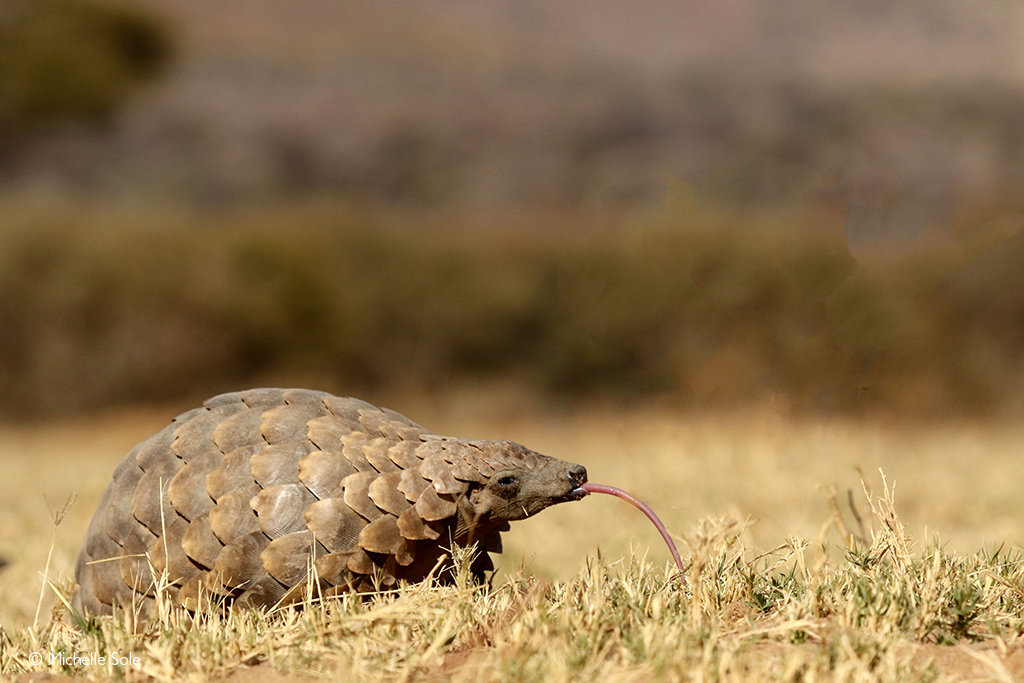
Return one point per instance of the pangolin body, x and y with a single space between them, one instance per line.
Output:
255 493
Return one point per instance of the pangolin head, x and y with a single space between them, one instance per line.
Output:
519 484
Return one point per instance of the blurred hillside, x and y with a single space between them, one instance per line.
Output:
505 102
715 202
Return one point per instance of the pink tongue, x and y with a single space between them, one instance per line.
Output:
613 491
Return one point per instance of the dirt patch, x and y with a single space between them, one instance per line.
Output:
262 673
980 662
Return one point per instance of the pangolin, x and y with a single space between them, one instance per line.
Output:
258 494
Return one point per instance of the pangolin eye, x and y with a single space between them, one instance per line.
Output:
506 486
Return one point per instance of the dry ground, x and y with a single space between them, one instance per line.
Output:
955 482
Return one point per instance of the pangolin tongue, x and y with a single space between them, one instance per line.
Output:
611 490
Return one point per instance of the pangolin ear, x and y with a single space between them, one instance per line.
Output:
490 497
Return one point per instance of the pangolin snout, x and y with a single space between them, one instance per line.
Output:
577 476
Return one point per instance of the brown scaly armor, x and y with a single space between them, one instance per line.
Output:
256 492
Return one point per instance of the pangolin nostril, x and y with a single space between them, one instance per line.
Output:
577 474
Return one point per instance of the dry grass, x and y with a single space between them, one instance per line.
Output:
779 589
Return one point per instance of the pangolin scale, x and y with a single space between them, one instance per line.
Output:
261 495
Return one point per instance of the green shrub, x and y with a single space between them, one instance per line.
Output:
74 60
101 309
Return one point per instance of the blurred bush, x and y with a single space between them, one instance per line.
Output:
63 61
709 308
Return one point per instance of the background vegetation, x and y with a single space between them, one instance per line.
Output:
697 304
68 60
364 198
